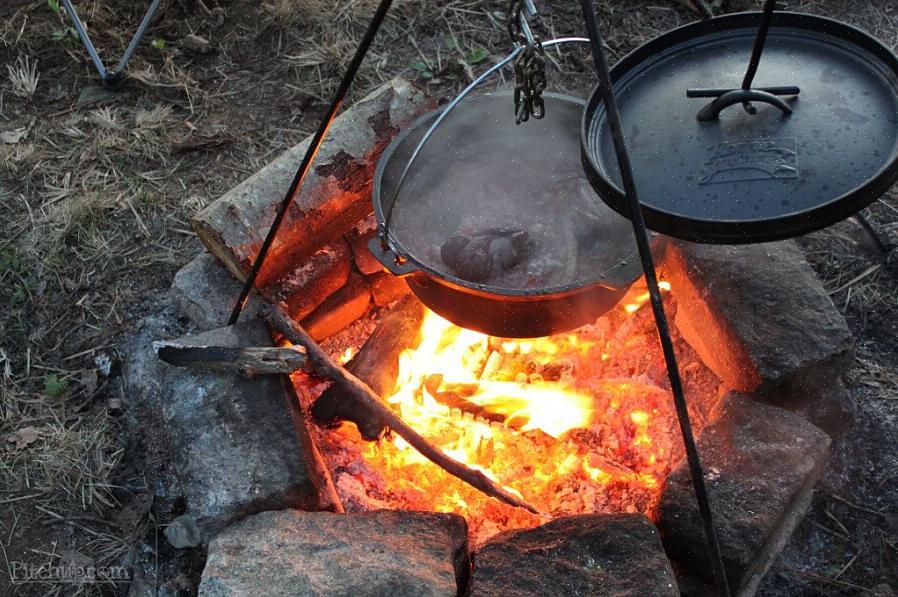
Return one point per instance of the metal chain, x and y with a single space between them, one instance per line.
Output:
530 65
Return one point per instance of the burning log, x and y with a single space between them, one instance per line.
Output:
339 309
325 366
335 195
265 360
376 364
305 288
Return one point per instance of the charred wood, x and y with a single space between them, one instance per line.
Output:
306 287
319 474
376 364
248 361
339 309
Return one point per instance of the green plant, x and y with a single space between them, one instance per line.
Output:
159 44
66 35
424 69
55 386
477 56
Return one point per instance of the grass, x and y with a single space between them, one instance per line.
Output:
23 77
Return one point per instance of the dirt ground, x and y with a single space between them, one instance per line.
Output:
95 193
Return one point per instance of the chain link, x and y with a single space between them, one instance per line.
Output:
529 67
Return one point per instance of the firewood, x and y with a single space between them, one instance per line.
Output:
358 239
340 309
376 364
304 288
326 367
249 361
319 474
386 288
334 196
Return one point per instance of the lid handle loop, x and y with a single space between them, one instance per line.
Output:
746 94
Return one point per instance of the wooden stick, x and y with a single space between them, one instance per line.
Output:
376 364
319 474
249 361
327 367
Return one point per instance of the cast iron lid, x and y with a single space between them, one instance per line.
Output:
750 178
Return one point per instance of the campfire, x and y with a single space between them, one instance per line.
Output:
576 423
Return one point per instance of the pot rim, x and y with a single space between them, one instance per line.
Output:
413 266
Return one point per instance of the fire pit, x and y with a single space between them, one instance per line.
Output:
584 433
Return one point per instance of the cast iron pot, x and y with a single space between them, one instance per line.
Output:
510 313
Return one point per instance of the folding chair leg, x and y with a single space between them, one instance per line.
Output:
85 38
116 77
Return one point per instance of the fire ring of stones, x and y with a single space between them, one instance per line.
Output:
579 425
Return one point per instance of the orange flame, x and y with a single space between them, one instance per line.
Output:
539 417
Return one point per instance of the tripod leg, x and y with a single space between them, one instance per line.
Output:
314 146
877 238
651 278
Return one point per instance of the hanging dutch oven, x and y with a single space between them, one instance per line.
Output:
495 227
795 160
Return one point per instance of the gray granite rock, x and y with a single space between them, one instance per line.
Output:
761 463
759 318
396 553
204 292
232 439
601 554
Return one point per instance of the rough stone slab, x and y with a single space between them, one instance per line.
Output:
396 553
761 463
386 288
232 439
759 317
204 293
600 554
340 309
832 409
304 288
334 197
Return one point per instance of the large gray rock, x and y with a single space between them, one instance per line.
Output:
761 320
761 463
232 439
204 292
396 553
601 554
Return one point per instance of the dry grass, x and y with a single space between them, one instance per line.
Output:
23 77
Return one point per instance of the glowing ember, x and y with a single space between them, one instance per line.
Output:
574 423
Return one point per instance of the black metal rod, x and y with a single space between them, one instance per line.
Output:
880 242
760 40
138 35
648 266
785 90
306 164
85 38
